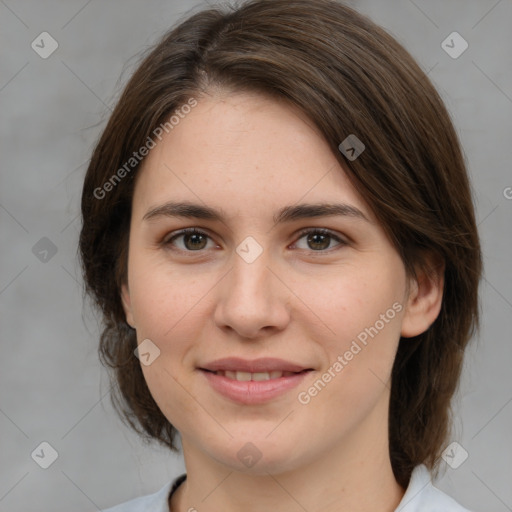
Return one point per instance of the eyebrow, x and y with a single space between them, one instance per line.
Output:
286 214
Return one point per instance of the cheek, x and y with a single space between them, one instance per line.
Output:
165 301
170 309
357 368
171 395
358 335
352 302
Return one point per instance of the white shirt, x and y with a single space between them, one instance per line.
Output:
420 496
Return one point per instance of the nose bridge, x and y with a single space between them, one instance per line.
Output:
251 297
251 277
251 280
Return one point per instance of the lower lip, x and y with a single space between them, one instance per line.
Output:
253 392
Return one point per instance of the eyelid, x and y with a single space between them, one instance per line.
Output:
184 231
324 231
166 241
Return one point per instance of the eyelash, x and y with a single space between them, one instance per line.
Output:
304 232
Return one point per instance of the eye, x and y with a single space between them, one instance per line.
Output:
318 239
189 239
194 240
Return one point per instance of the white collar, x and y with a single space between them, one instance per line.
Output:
420 496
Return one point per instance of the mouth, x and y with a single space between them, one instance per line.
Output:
252 382
242 376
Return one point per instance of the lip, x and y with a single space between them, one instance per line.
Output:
253 392
263 364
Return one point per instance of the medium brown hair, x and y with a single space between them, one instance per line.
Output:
348 76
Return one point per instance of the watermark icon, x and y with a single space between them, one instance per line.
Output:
249 455
454 45
138 156
357 345
249 250
44 455
507 192
454 455
351 147
44 249
44 45
147 352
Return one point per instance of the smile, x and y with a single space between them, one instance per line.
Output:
257 376
253 382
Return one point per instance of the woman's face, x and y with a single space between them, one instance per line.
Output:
277 323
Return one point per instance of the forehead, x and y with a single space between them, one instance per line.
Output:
244 151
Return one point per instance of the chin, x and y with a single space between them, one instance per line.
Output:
259 455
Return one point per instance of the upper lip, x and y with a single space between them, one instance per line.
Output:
264 364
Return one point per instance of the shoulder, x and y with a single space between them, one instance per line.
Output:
422 496
156 502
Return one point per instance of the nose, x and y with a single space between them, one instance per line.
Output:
252 300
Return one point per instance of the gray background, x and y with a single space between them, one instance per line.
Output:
52 386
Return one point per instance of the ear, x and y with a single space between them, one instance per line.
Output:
425 297
127 305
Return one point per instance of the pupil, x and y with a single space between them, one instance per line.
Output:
318 241
194 241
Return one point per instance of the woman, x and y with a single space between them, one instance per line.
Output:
278 230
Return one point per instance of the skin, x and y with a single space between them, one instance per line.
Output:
248 156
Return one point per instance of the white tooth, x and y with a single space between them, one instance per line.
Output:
244 376
260 376
276 374
230 375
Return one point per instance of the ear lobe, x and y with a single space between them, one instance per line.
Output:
424 299
127 305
